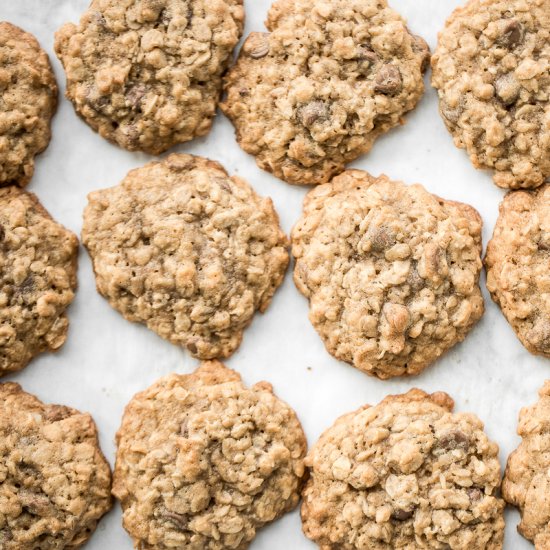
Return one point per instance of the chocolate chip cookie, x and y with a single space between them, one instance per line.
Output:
37 279
526 481
316 91
55 484
407 473
203 462
28 100
146 74
391 271
187 250
492 72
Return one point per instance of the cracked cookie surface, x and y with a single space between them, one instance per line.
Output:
146 74
203 462
38 259
518 266
329 78
28 101
391 271
407 473
187 250
55 484
492 72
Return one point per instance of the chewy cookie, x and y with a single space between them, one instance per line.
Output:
518 266
407 473
28 100
37 279
526 481
146 74
187 250
329 78
203 462
492 72
391 271
55 484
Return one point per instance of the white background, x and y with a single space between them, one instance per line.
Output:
106 359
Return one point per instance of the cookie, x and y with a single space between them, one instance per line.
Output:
407 473
316 91
527 479
203 462
391 271
55 484
28 101
186 250
518 266
38 258
492 72
146 74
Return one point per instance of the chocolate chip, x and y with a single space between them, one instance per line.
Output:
257 45
135 94
507 88
452 114
511 34
402 515
179 520
381 238
474 494
316 111
420 46
55 413
2 233
192 347
454 439
544 241
414 279
388 80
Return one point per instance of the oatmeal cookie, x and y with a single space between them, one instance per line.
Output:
526 481
492 72
54 481
187 250
407 473
391 271
28 101
38 259
316 92
518 266
203 462
146 74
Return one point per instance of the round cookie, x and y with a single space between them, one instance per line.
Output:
391 271
187 250
492 72
55 484
38 258
203 462
526 480
407 473
28 100
518 266
316 92
146 74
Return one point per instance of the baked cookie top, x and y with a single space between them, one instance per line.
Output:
391 271
55 483
315 92
203 461
492 72
527 480
38 259
187 250
146 74
407 473
28 100
518 266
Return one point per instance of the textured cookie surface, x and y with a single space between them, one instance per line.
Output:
55 483
391 271
187 250
518 266
405 474
317 91
28 99
492 72
146 74
37 279
526 481
203 461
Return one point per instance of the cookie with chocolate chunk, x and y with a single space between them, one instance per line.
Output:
316 91
492 72
406 473
203 462
391 271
